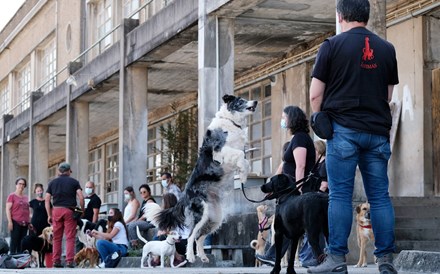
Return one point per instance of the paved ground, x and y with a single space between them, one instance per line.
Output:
231 270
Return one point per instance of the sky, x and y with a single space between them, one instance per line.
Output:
7 9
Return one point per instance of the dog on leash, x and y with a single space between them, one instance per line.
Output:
84 226
264 224
364 232
38 246
159 248
296 214
87 255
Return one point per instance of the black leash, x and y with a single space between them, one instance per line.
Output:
288 190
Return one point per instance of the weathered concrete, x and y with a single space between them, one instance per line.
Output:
418 261
40 158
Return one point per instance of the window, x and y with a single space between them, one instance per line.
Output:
24 87
154 159
105 23
48 67
260 129
111 172
129 7
95 168
5 99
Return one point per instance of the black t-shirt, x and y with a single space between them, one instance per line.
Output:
300 139
63 190
357 66
90 203
39 215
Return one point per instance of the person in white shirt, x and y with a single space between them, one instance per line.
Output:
115 239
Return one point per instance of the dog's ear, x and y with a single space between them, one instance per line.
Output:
358 208
228 98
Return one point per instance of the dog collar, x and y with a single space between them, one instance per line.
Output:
168 243
234 123
366 226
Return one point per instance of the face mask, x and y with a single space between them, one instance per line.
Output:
110 218
40 195
283 123
89 190
127 197
165 183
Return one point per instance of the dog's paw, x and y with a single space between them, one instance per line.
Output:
191 258
204 259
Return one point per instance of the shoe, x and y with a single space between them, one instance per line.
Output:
385 264
266 260
101 265
58 265
179 262
70 265
309 263
331 264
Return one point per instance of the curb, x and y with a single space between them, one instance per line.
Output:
418 261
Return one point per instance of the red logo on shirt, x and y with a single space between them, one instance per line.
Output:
368 52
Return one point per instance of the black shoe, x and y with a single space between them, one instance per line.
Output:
70 265
385 264
58 265
264 259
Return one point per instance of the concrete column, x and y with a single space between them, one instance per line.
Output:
10 171
40 156
377 22
40 161
216 64
133 129
77 139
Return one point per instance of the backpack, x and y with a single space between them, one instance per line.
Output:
17 261
4 247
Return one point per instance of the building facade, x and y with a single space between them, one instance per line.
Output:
94 82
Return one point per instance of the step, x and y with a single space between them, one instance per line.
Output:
128 262
430 223
417 212
418 245
415 234
418 261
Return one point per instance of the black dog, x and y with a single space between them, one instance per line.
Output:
38 246
294 215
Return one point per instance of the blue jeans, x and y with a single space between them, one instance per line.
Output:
106 248
348 149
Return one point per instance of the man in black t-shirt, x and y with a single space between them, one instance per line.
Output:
353 80
63 191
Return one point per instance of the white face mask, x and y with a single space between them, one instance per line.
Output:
89 190
165 183
127 197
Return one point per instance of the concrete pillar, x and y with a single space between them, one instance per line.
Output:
216 64
133 129
10 171
40 156
377 22
77 139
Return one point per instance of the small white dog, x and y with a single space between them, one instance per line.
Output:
159 248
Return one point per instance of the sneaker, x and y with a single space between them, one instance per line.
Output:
385 264
332 264
266 260
101 265
70 265
309 263
179 262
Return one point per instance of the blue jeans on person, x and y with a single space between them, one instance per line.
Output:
347 149
106 248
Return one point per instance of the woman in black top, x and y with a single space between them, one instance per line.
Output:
39 213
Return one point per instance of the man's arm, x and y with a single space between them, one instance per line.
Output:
80 195
48 208
317 88
95 215
390 92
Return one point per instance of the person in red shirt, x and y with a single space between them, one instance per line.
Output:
17 213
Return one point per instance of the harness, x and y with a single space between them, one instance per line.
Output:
262 226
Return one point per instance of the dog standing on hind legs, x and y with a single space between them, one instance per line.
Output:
364 232
264 224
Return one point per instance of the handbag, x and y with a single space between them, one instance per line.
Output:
322 125
77 213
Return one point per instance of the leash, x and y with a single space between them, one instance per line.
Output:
288 190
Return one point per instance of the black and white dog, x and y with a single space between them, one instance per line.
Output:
221 155
294 215
85 226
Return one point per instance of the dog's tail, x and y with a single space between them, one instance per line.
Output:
150 211
140 235
171 218
254 244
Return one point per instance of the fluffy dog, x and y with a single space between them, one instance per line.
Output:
84 225
231 118
264 224
364 232
199 209
159 248
38 246
294 215
87 255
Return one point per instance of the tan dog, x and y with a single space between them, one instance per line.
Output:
88 255
38 246
364 232
264 224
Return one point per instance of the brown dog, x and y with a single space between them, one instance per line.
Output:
87 254
264 224
364 232
38 246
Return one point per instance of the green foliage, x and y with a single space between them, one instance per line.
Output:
180 149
